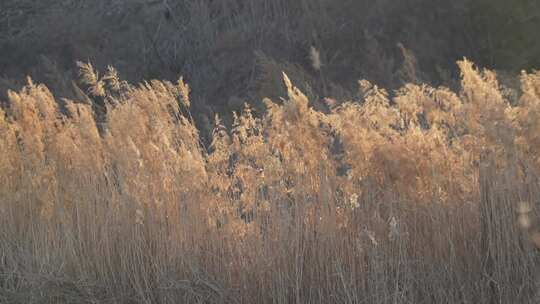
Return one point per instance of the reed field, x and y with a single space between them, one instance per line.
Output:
426 196
303 156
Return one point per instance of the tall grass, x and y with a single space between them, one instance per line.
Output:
412 197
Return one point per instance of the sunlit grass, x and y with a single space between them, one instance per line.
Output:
423 195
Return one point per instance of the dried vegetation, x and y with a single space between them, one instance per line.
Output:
423 195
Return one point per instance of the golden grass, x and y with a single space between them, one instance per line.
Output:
416 198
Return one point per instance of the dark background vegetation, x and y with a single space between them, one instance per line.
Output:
233 51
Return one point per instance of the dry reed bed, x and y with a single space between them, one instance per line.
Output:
405 199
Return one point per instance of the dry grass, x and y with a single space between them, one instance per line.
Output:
407 199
